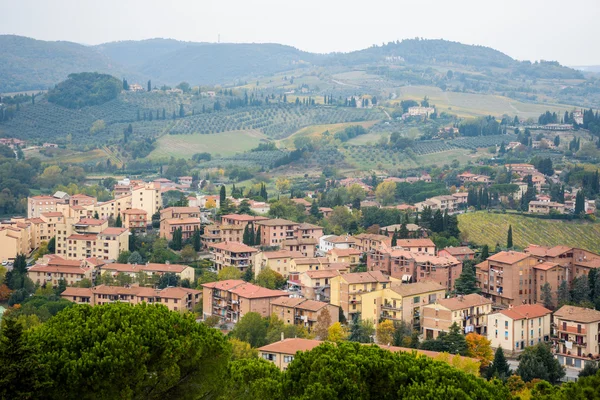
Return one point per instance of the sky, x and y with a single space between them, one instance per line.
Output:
524 29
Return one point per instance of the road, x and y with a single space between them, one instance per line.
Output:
571 372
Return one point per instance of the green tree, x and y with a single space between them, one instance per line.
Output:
361 331
467 281
580 292
135 258
453 342
395 239
499 367
252 378
188 254
52 245
118 221
22 375
579 203
229 272
546 296
563 295
485 253
538 362
251 328
196 239
154 353
222 196
270 279
509 238
177 241
168 279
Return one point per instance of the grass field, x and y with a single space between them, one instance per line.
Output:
472 104
223 144
483 228
69 156
316 130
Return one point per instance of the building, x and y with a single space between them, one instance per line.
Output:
37 205
282 353
349 256
278 261
518 327
274 231
551 273
230 300
425 246
546 207
329 242
180 212
469 312
187 226
577 335
462 253
299 311
316 285
347 291
152 270
507 278
78 239
52 270
174 298
418 111
366 242
467 177
135 219
147 197
307 247
232 254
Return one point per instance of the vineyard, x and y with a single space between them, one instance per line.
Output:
261 159
478 142
431 146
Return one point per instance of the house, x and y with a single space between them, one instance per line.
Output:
179 212
78 239
232 254
316 285
551 273
469 312
329 242
418 111
299 311
307 247
231 299
309 231
577 331
274 231
300 265
135 219
467 177
507 278
518 327
187 226
461 253
546 207
185 180
183 272
278 261
282 353
417 245
51 271
366 242
347 291
349 256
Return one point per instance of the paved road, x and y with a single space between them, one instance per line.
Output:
571 372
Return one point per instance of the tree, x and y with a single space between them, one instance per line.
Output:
270 279
403 233
149 86
579 203
314 210
499 367
509 238
538 362
251 328
22 375
155 353
52 245
479 347
168 279
485 253
188 253
467 281
241 350
590 369
229 272
118 221
403 334
385 332
546 296
252 378
563 295
177 241
361 331
580 292
385 192
124 279
222 196
196 239
452 342
321 328
395 239
135 258
282 184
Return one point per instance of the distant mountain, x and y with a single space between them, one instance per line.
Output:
133 53
29 64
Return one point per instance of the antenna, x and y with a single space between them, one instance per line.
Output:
219 38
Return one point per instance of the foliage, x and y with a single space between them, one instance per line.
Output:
385 332
270 279
479 347
85 89
229 272
499 368
241 350
538 362
337 333
467 281
452 342
361 331
321 328
252 378
251 328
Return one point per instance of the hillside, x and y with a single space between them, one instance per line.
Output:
29 64
488 228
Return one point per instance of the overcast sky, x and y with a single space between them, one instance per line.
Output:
524 29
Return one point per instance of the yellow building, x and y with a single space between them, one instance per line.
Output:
279 261
578 333
468 312
78 240
150 269
518 327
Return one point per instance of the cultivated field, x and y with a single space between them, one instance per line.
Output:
317 130
223 144
483 228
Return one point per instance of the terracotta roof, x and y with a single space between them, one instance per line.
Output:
234 247
545 266
276 222
75 291
434 260
52 214
181 210
458 251
483 266
113 231
312 305
372 236
593 263
36 220
290 346
411 289
300 242
338 266
83 237
508 257
302 202
243 217
365 277
306 225
90 221
82 196
134 211
250 291
461 302
224 285
177 292
175 268
322 273
345 252
279 254
340 239
578 314
414 243
525 311
311 260
64 269
287 301
182 221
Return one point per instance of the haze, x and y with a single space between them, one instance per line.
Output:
525 30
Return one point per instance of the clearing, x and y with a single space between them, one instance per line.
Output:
489 228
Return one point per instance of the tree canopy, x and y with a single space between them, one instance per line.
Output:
85 89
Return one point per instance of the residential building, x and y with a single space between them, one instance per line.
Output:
414 230
329 242
135 219
274 231
316 285
50 271
78 239
179 212
518 327
350 256
367 242
551 273
469 312
230 300
187 226
279 261
467 177
546 207
309 231
147 197
425 246
300 265
347 291
299 311
577 335
232 254
37 205
307 247
282 353
152 270
461 253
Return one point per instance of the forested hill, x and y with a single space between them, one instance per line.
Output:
29 64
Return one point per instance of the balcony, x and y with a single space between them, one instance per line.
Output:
572 329
390 306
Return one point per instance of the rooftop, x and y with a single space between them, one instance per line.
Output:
276 222
578 314
234 247
459 251
365 277
411 289
508 257
290 346
250 291
525 311
467 301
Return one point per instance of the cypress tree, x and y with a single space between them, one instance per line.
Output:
499 367
395 238
222 196
257 238
509 239
119 222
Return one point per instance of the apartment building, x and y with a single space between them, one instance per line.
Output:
349 256
232 254
135 219
88 237
147 197
212 234
467 177
469 312
230 300
115 207
14 240
187 225
306 246
417 245
282 353
518 327
330 242
316 285
150 269
577 335
300 265
367 242
507 278
401 302
279 261
309 231
299 311
174 298
37 205
577 261
274 231
347 291
546 207
50 271
461 253
82 200
547 272
179 212
442 203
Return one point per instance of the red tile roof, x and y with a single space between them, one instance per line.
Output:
508 257
113 231
526 311
290 346
250 291
234 247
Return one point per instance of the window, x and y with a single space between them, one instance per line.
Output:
505 335
269 356
505 324
288 359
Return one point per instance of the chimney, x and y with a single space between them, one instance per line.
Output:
282 336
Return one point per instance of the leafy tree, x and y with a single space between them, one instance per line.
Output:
563 295
52 245
479 347
222 195
85 89
124 279
123 257
402 334
229 272
589 369
452 342
320 329
251 328
361 331
509 238
385 192
385 332
22 375
580 292
579 203
336 333
538 362
152 352
270 279
467 281
135 258
252 378
546 296
168 279
188 253
241 350
499 367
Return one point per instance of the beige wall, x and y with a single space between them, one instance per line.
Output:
503 331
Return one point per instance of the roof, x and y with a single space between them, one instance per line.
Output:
290 346
365 277
113 231
250 291
411 289
508 257
182 221
306 225
75 291
224 285
91 221
545 266
134 211
234 247
276 222
299 241
242 217
458 251
372 236
280 254
64 269
52 214
545 251
414 243
322 273
83 237
578 314
177 292
311 260
181 210
340 239
345 252
467 301
287 301
312 305
175 268
525 311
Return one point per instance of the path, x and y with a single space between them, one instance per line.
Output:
344 84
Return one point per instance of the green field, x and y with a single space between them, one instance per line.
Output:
317 130
487 228
222 144
471 104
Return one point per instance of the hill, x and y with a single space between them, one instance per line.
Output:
85 89
488 228
131 53
29 64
